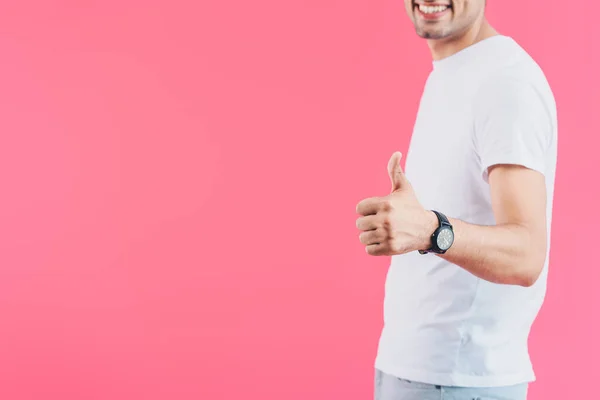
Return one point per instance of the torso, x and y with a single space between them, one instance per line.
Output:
443 325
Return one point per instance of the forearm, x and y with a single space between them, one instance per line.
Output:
505 254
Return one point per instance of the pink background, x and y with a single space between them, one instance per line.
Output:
179 182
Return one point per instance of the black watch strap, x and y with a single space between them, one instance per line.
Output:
441 218
443 222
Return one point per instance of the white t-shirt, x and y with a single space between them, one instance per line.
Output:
487 104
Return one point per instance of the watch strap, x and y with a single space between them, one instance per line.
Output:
442 221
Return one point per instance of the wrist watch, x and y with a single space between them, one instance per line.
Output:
442 238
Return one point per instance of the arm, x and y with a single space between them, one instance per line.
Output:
514 250
513 130
512 136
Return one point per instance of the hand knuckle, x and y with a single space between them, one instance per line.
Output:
386 223
391 235
388 205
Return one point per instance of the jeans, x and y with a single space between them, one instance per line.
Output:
389 387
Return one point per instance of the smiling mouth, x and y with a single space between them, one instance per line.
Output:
432 10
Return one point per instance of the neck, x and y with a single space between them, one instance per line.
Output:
443 48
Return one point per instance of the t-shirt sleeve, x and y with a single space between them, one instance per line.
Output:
512 126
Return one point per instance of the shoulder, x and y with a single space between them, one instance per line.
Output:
516 79
517 91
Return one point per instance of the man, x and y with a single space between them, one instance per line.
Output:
468 225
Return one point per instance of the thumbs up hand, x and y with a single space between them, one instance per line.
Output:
396 223
399 180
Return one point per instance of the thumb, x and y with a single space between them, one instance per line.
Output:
399 180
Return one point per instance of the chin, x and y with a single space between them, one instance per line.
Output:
432 34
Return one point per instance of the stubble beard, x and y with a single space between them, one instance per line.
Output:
433 34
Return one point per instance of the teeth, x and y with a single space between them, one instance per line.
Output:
431 9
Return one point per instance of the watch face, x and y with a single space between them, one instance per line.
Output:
445 238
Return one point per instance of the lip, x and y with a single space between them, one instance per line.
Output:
432 4
433 16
